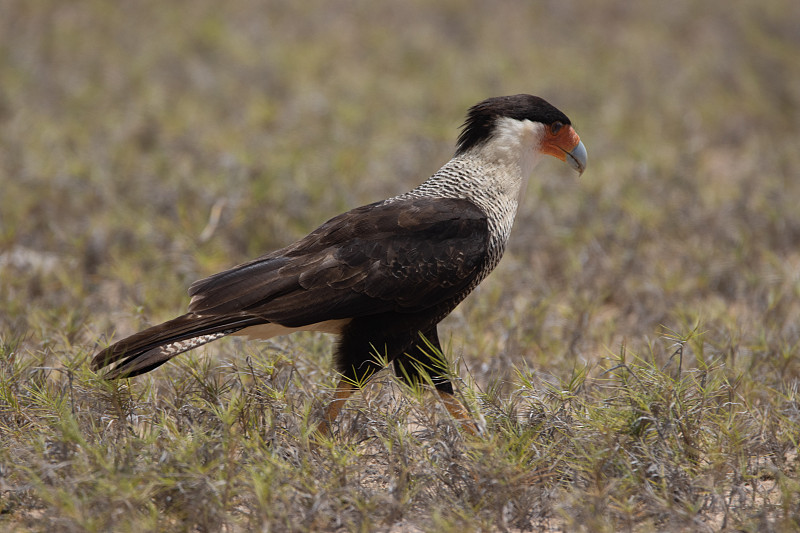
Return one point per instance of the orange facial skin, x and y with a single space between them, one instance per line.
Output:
560 140
563 143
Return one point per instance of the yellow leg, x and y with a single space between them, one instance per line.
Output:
459 412
344 390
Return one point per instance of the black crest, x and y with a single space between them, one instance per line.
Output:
481 118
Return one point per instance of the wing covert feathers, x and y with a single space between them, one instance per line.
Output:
402 256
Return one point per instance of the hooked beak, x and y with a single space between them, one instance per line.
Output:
576 158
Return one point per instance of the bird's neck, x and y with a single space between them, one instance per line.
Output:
495 171
494 186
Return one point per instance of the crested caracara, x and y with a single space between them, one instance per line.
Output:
381 276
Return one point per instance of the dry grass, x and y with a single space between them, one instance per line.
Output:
634 358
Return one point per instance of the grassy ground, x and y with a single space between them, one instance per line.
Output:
635 357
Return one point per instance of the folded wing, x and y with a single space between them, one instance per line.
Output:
404 256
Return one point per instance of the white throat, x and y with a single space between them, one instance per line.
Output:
515 144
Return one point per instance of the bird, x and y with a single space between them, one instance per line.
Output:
382 276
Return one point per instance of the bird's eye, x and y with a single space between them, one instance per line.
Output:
555 127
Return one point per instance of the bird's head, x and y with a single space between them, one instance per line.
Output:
521 127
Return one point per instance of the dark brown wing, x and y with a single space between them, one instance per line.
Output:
403 256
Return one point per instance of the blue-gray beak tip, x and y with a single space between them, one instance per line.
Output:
577 158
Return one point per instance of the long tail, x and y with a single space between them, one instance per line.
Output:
151 348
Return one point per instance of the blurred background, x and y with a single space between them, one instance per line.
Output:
147 144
